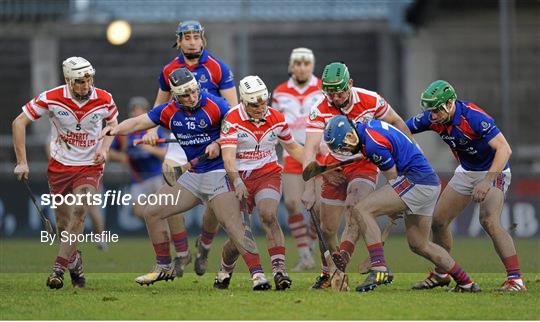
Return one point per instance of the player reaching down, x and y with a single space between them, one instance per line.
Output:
413 187
194 117
76 111
249 136
483 175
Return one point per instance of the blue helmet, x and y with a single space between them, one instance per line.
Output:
337 137
190 26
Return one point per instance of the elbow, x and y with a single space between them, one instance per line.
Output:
508 151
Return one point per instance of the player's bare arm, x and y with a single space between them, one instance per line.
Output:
502 155
151 135
102 153
295 150
313 140
19 143
134 124
229 95
393 118
229 162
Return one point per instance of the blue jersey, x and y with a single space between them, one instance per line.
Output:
194 130
386 146
211 73
467 135
143 164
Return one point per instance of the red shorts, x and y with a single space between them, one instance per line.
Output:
291 166
262 183
63 179
362 170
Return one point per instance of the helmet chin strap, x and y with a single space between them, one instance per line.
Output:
79 96
191 56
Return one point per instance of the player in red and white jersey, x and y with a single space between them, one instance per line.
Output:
249 135
76 112
295 98
344 187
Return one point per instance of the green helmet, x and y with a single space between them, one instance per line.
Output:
335 77
437 94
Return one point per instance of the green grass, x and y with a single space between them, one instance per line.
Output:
112 293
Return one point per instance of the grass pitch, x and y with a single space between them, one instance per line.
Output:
111 292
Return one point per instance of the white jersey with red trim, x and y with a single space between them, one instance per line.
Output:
366 105
296 103
255 143
75 126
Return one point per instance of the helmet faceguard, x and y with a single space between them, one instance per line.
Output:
183 85
341 136
299 55
191 26
335 81
253 93
436 96
78 69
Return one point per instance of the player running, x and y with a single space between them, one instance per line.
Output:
249 136
295 98
413 188
216 78
342 188
194 117
77 155
483 176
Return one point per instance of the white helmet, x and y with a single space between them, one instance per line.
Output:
77 67
299 54
253 90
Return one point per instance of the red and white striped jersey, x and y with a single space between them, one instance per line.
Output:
75 126
255 143
296 103
366 105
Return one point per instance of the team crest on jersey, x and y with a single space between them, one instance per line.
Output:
313 115
225 127
203 79
95 118
202 124
485 125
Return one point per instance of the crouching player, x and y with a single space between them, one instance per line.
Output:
413 187
76 111
483 174
249 136
194 117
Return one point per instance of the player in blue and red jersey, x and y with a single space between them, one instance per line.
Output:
413 188
194 117
483 174
216 78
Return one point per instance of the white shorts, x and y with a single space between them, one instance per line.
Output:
175 152
146 187
419 198
464 181
206 186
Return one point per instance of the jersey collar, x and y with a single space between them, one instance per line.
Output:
243 114
67 94
313 81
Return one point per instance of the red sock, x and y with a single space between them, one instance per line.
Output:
346 249
459 275
299 230
163 254
511 264
61 263
277 257
207 237
253 262
376 255
180 242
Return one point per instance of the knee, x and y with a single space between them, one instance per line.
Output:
292 205
489 225
268 217
438 226
79 213
328 230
